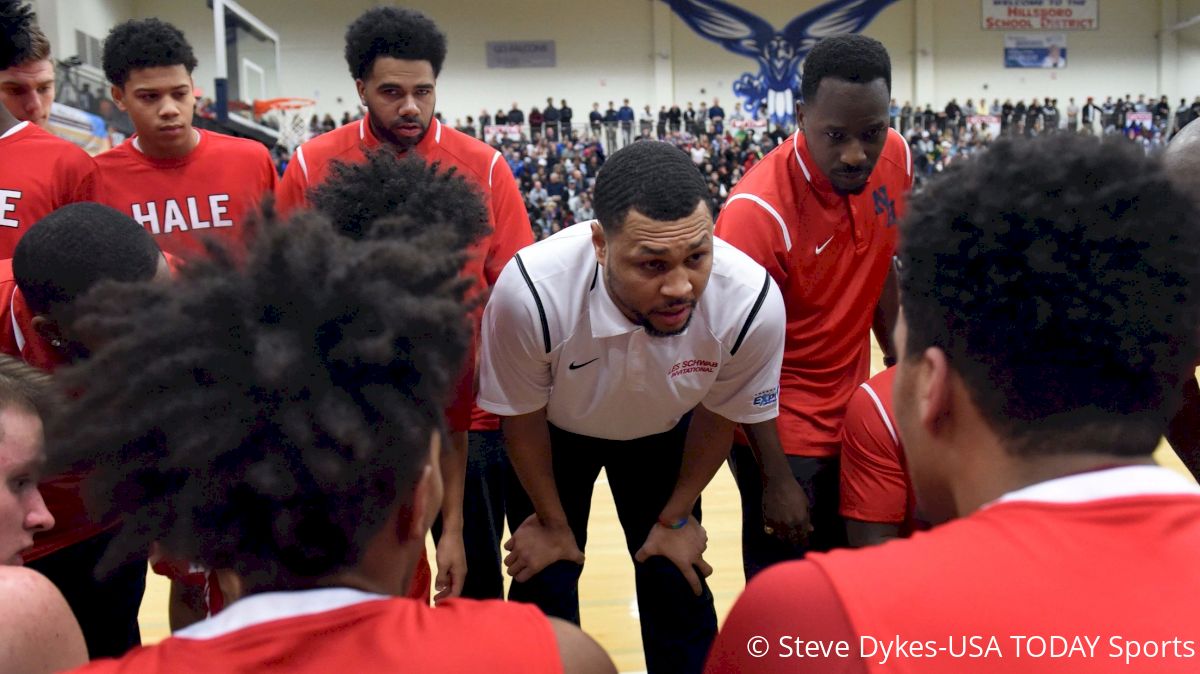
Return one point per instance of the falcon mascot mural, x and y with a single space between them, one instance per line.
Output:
779 53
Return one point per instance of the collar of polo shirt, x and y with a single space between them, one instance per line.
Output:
606 317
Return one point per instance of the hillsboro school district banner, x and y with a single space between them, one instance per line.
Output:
1037 50
526 54
1056 15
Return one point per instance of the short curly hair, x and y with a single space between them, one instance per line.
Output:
144 43
267 411
854 58
386 196
18 33
1061 277
653 178
400 33
74 248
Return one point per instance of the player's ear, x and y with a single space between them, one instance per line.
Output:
362 90
48 329
118 96
800 115
599 242
427 496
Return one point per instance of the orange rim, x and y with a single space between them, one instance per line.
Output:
261 107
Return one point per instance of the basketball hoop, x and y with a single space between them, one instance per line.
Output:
289 112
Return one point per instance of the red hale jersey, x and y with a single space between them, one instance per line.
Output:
477 162
341 630
830 255
212 190
874 481
39 172
1104 561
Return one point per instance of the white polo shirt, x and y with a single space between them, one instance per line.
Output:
553 338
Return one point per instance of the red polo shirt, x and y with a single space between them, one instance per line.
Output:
829 254
39 172
476 161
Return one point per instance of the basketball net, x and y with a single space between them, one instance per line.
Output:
290 115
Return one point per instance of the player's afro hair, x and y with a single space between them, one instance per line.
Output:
76 247
266 415
144 43
1061 277
854 58
400 33
390 197
18 32
653 178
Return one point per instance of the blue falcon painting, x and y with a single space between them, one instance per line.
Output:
779 53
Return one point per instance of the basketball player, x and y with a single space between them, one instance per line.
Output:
38 634
178 182
64 255
395 56
819 212
634 344
39 172
27 84
1182 159
295 440
1045 326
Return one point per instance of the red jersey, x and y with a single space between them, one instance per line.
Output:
829 254
1087 573
343 630
213 190
874 481
477 162
39 173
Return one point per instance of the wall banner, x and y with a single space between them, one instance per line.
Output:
1040 15
1037 50
524 54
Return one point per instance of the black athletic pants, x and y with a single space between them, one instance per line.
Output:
483 514
677 626
107 609
819 477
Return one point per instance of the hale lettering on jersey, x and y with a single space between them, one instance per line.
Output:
193 213
884 204
8 199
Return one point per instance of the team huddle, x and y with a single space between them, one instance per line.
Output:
272 391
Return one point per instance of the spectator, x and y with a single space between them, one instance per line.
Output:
515 116
536 123
716 114
595 119
625 116
565 114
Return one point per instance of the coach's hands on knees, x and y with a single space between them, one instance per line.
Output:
785 511
685 548
536 545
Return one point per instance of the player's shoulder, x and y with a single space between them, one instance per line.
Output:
770 188
735 271
117 155
896 159
469 152
561 254
329 145
233 145
38 143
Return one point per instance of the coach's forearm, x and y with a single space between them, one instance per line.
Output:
768 451
709 439
527 438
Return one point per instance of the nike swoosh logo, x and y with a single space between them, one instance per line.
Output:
573 366
824 245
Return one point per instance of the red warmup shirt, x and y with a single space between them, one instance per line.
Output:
213 190
476 161
342 630
874 481
39 172
830 255
1095 567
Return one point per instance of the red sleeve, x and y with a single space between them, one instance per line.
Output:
874 486
290 190
510 222
458 414
781 612
756 233
85 186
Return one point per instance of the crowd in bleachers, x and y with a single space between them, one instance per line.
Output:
555 158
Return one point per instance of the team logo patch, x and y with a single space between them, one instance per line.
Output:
691 367
766 398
